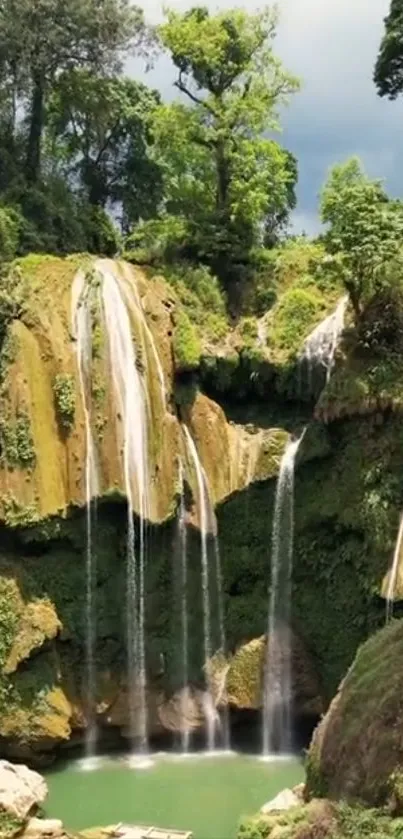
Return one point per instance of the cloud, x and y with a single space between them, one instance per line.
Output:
332 45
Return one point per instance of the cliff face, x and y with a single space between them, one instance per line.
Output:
240 393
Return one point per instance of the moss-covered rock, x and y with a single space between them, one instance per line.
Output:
321 819
243 677
356 752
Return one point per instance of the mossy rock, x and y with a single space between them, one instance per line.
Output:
357 748
322 819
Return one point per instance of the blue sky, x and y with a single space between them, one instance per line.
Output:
332 45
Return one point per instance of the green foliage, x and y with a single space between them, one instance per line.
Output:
17 445
17 515
364 233
199 292
221 177
97 129
297 311
388 75
10 224
64 391
8 618
186 342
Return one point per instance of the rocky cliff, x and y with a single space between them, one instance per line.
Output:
241 391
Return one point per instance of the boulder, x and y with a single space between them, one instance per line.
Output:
244 677
44 829
21 789
356 753
283 801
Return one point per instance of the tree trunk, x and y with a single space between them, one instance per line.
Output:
37 117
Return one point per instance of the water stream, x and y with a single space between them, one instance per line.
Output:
185 733
131 400
318 352
81 330
390 594
277 697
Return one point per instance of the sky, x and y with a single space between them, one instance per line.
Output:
332 46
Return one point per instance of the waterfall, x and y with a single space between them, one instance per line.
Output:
393 573
131 399
320 346
206 515
277 684
222 634
184 614
132 297
81 330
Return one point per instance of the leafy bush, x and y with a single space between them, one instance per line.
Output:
65 399
10 224
293 318
186 343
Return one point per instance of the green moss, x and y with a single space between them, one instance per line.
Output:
9 825
18 515
293 318
186 343
248 330
323 820
17 446
64 392
365 718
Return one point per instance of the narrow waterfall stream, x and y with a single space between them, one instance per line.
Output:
320 346
390 594
131 400
277 697
185 733
81 330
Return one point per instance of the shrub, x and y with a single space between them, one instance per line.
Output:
186 343
65 399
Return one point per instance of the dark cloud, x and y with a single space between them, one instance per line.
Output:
332 45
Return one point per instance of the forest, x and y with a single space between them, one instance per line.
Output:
92 160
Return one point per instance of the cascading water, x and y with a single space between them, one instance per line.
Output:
222 634
320 346
131 400
205 515
184 613
277 683
81 330
393 573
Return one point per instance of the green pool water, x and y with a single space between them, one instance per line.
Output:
208 795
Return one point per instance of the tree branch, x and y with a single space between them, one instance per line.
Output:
183 89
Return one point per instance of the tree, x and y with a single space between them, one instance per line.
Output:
388 75
98 133
39 39
364 233
220 168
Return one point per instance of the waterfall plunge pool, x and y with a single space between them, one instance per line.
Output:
208 794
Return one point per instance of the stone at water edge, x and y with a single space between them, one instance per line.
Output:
21 789
44 829
283 801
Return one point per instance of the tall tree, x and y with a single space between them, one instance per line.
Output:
388 75
39 39
98 131
233 83
364 234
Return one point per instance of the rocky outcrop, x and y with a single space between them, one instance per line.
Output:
357 750
242 676
21 790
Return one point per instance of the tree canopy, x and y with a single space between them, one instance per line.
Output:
388 74
365 231
221 171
